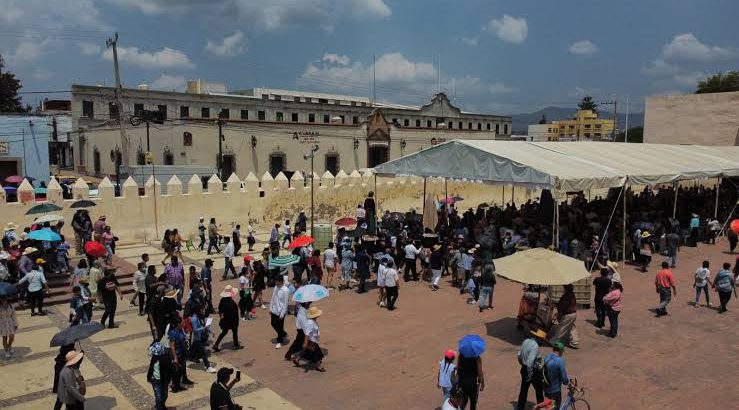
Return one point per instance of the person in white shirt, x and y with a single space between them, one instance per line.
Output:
381 282
392 284
702 280
311 350
454 401
714 226
287 238
300 319
278 310
250 240
36 287
228 253
411 252
329 264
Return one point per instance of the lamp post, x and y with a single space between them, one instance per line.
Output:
311 155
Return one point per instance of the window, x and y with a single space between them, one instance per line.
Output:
322 101
469 125
487 126
337 102
140 157
276 163
113 111
597 126
225 113
187 139
587 135
294 117
96 160
265 96
88 109
572 127
311 117
168 156
418 123
395 121
597 134
587 125
342 118
428 123
184 111
278 98
497 128
364 104
279 116
260 115
355 119
296 99
332 163
505 129
479 126
406 122
354 103
244 114
326 118
162 111
460 125
205 112
450 125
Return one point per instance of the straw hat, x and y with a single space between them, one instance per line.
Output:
437 247
646 234
29 250
73 358
613 265
539 333
40 261
11 226
228 292
314 312
172 293
471 251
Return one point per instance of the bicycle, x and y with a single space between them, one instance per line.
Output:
574 395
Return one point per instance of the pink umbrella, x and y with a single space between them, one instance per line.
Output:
448 200
14 179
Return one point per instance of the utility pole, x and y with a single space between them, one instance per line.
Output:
311 155
220 124
374 79
626 127
113 42
54 142
614 103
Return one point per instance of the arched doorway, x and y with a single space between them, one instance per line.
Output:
377 155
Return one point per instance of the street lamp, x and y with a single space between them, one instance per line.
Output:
311 155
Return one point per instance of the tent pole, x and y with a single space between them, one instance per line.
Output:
623 232
674 204
715 209
424 196
513 194
555 226
502 197
446 201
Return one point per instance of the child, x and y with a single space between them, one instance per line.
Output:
62 257
329 262
447 373
77 314
8 325
316 273
246 303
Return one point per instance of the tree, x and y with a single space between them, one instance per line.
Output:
9 86
587 103
636 134
719 83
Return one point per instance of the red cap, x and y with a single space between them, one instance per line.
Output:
450 354
247 258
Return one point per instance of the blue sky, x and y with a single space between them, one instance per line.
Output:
496 56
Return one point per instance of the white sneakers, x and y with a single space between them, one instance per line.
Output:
211 369
278 345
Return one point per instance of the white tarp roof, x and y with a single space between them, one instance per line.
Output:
567 166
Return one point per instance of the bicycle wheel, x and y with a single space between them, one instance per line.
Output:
580 404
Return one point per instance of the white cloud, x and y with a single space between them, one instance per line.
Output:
165 58
470 41
229 46
686 47
40 74
583 47
511 29
394 67
39 13
336 59
90 49
27 51
169 83
469 85
370 8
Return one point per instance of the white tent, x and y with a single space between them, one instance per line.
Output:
567 166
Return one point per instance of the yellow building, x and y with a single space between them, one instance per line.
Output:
585 125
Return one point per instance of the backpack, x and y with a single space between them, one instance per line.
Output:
544 371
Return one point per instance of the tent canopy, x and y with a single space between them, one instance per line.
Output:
566 166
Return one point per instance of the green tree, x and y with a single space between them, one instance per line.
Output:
719 83
587 103
9 86
636 134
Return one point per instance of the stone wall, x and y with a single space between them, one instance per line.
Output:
261 202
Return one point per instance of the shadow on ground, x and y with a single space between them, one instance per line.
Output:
505 330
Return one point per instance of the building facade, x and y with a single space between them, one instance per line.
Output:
264 130
703 119
24 146
585 125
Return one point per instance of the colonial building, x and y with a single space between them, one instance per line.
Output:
585 125
263 130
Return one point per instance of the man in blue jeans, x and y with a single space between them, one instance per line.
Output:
555 373
487 286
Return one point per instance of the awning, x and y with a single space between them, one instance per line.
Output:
566 166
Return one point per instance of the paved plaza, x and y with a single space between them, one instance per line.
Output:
381 359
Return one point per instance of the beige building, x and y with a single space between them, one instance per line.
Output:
584 125
264 130
703 119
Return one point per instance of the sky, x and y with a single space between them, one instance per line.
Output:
489 56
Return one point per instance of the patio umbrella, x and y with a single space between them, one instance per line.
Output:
283 261
40 191
300 241
471 346
74 333
10 190
83 203
458 198
51 218
14 179
346 222
310 293
7 289
95 249
43 208
539 266
44 235
447 200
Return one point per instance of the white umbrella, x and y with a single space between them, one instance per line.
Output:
51 218
310 293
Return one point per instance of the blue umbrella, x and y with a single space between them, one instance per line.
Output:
40 190
310 293
44 235
471 346
7 289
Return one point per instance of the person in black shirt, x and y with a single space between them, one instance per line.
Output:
471 379
370 213
363 268
220 390
602 287
108 288
228 311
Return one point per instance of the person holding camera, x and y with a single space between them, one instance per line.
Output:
220 390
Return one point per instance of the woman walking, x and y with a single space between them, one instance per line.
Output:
437 263
724 284
159 374
311 350
259 283
471 379
178 349
613 302
37 286
8 326
228 311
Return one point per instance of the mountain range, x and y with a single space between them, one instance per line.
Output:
522 121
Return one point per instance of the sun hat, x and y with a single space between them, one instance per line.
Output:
539 333
450 354
613 265
40 261
29 250
314 312
646 234
228 292
471 251
84 279
559 346
437 247
172 293
73 358
11 226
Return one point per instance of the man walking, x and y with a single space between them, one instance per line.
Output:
278 310
528 358
566 318
392 283
665 284
487 286
724 283
602 287
201 234
228 254
213 236
672 242
411 252
175 273
555 373
701 282
236 233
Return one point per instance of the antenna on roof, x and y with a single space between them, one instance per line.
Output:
374 78
438 74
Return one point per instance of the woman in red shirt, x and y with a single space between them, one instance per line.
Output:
316 272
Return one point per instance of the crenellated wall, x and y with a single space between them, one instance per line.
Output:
261 202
